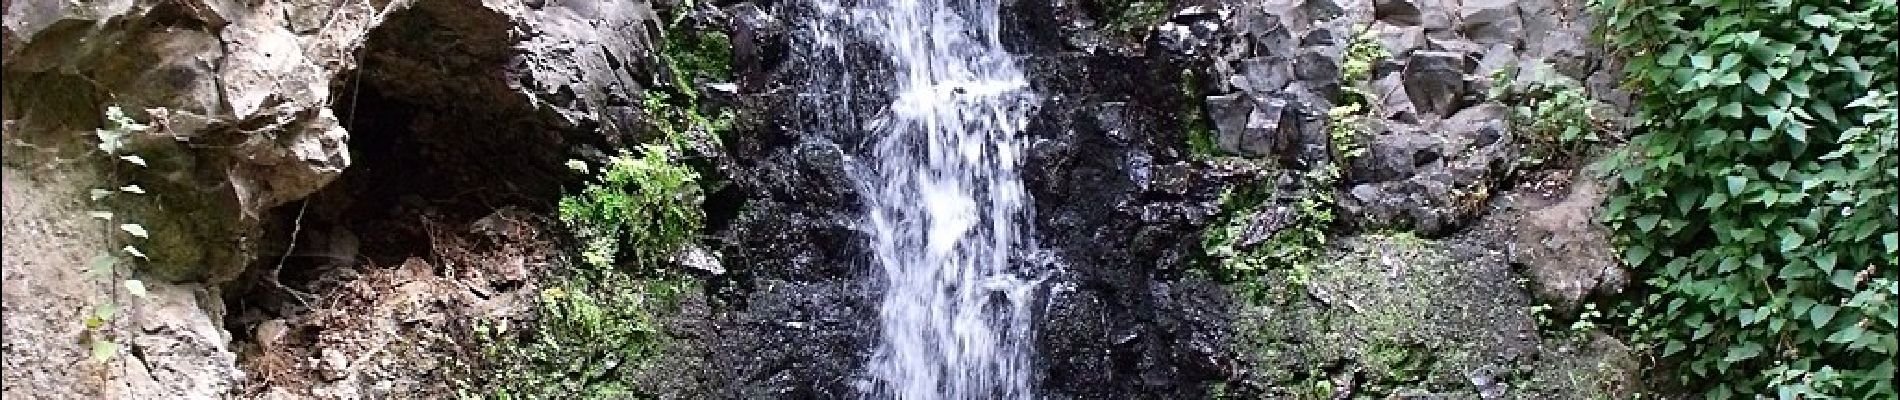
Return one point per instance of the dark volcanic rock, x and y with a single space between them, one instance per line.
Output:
1435 81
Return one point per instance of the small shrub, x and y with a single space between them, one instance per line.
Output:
644 206
1131 18
1556 117
1292 247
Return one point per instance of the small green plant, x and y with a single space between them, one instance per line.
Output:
1130 18
644 206
1362 54
1586 320
1346 120
1343 128
1200 136
1556 117
114 143
599 325
1541 314
1293 247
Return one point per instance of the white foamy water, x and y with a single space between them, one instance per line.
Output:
945 208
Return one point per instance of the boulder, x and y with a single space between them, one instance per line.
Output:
1397 12
1490 21
1399 40
1435 82
1566 252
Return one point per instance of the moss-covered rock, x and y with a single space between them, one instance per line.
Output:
1393 314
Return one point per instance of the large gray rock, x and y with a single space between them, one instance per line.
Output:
238 96
1399 12
1490 21
1566 252
1435 82
1400 40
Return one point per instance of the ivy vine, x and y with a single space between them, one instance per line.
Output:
1758 197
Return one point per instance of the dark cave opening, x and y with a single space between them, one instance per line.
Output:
439 143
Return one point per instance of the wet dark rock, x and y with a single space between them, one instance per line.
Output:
796 340
1193 32
1435 81
758 42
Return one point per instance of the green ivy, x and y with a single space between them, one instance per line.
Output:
1758 197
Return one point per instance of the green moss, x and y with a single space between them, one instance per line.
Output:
1200 133
1402 312
696 55
1293 247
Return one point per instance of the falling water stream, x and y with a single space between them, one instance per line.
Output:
945 209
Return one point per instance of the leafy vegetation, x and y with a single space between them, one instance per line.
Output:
644 206
1758 198
593 329
1347 118
113 143
1131 18
1300 239
1553 114
598 324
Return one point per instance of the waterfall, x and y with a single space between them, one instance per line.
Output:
945 208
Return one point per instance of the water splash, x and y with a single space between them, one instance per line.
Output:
946 211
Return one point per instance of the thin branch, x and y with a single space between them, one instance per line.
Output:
296 228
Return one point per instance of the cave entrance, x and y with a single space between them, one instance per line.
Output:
439 140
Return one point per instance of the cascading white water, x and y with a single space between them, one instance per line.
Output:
945 208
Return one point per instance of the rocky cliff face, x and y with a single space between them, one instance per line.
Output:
341 128
1123 199
377 132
